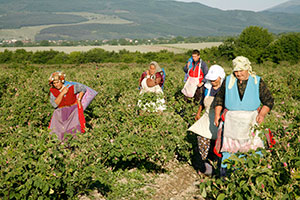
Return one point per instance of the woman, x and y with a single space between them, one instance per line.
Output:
204 127
152 81
242 94
68 114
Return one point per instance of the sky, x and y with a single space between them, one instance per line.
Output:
253 5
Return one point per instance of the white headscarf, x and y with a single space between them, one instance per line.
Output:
213 73
157 67
241 63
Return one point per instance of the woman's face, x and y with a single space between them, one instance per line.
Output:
152 69
216 82
57 84
242 75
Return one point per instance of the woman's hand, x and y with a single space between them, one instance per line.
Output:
218 110
65 90
197 117
200 84
217 119
260 118
262 113
148 73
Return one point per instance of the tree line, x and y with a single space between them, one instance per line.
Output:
254 42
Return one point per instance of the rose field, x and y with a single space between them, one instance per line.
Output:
123 149
128 153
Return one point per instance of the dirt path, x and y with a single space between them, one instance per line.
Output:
179 184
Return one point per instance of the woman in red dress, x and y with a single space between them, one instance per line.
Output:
68 114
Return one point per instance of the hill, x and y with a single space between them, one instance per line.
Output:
99 19
292 6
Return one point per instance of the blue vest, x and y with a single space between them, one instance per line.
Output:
250 99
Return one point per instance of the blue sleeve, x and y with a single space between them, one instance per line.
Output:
190 59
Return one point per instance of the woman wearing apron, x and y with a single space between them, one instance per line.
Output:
242 94
204 127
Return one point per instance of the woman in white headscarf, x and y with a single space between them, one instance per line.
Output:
242 94
204 127
152 81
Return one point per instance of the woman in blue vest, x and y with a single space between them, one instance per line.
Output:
242 94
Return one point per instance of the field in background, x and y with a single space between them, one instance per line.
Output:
29 32
176 48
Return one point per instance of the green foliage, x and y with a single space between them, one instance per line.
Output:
259 46
34 164
252 42
122 145
287 48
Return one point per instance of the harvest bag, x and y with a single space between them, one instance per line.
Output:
87 97
191 84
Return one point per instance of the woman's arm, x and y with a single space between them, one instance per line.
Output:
52 100
218 110
79 88
266 99
262 113
142 77
58 99
198 115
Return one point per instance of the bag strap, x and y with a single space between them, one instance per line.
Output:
200 63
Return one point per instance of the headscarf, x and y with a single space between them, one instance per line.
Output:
213 73
57 76
157 67
241 63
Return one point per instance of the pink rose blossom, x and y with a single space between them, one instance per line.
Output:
284 164
269 166
54 174
262 186
288 145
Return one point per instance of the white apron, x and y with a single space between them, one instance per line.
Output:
159 105
205 125
145 88
239 134
191 84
